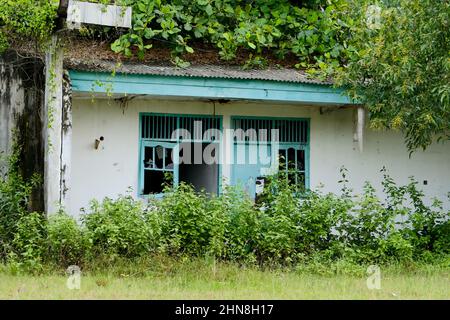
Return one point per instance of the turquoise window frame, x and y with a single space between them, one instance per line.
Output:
155 143
150 142
302 146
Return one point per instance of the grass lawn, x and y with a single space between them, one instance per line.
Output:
195 281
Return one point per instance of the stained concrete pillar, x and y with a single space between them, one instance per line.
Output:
66 141
53 127
227 152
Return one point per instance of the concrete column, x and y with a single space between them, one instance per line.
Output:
53 127
227 150
66 141
359 127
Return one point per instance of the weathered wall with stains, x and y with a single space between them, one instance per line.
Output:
21 105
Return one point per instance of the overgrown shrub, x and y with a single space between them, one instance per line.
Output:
14 195
67 243
329 233
29 243
242 232
279 215
117 227
188 225
315 36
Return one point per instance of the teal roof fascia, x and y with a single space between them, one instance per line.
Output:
209 88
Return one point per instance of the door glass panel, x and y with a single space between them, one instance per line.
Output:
153 181
291 159
282 159
301 160
158 168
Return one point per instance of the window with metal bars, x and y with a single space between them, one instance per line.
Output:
262 129
162 137
164 127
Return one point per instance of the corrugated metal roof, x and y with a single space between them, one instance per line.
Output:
205 71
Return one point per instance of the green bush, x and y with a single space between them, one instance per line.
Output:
317 37
29 243
67 244
188 225
242 231
324 233
395 247
425 227
117 227
321 219
14 195
279 217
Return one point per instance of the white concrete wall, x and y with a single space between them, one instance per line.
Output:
113 168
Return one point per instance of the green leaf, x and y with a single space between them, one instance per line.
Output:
209 10
189 49
116 46
187 27
149 33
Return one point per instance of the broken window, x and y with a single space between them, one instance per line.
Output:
178 148
158 167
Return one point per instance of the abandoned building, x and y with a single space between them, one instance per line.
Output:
93 128
110 133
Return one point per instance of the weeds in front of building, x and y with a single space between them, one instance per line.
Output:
286 226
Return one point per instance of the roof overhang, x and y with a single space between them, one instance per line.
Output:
206 88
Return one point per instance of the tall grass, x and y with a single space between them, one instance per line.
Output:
163 277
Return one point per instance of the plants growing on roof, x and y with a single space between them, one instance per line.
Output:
313 31
26 19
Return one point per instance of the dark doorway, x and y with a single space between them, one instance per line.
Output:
195 169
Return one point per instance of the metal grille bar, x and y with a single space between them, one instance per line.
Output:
162 127
289 130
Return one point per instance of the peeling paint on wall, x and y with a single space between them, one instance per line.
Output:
21 105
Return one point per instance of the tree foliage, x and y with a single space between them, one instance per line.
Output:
26 19
400 68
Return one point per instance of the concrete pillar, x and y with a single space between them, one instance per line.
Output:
227 150
360 123
66 141
53 126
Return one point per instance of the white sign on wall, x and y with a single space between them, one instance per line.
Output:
79 12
